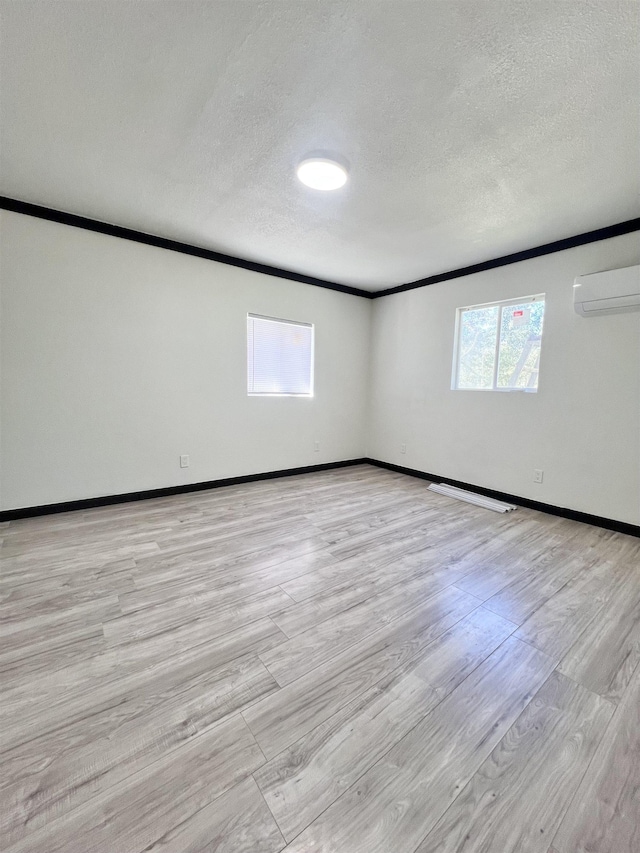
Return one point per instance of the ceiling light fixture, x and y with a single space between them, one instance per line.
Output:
322 173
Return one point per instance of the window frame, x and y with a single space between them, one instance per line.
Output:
283 321
500 304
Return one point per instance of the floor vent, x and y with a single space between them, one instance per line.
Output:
471 497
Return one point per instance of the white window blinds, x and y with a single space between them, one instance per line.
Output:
279 357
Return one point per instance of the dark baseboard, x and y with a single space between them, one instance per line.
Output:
107 500
574 515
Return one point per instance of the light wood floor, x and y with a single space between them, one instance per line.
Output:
340 662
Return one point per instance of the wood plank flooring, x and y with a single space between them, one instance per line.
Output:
341 662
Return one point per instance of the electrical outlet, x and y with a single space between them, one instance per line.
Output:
537 475
184 461
403 448
316 446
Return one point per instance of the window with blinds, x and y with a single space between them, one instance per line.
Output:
279 357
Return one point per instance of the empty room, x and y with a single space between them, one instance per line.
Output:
320 426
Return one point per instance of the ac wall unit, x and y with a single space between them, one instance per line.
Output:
610 292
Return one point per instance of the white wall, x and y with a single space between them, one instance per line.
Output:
582 427
118 357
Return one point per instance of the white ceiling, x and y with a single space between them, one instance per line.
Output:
474 128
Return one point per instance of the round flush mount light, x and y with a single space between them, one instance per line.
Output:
322 173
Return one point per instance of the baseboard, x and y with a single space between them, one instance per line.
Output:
563 512
107 500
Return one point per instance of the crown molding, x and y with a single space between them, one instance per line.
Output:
87 224
83 222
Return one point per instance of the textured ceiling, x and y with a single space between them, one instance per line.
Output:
474 128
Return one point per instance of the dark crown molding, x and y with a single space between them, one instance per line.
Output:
547 249
87 224
83 222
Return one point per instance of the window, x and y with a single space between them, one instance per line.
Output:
279 357
498 345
